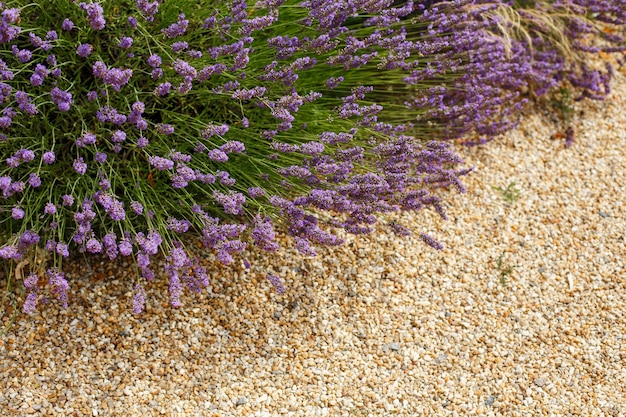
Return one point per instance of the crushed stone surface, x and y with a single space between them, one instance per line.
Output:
522 313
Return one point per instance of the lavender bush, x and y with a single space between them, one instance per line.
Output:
130 127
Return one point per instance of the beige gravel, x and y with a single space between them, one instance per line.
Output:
522 314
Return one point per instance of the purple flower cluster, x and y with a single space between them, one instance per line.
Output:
115 77
63 99
95 14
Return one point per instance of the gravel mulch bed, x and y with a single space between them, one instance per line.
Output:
522 314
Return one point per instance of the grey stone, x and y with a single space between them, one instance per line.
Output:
394 346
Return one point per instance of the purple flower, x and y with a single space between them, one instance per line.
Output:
93 245
136 207
84 50
233 146
277 283
333 82
126 42
85 140
18 186
113 207
179 46
312 148
178 258
23 55
149 244
118 136
58 285
17 213
232 202
165 129
99 69
213 130
110 245
36 80
62 99
160 163
68 200
29 238
256 192
80 166
31 302
178 28
175 288
95 14
100 157
132 22
25 155
217 155
178 226
13 162
430 241
163 89
67 25
138 107
51 246
184 69
41 69
50 208
263 234
117 78
48 157
139 299
125 248
34 180
30 281
156 74
24 103
62 250
105 184
35 40
11 15
154 61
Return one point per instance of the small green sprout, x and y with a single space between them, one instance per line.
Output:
505 270
510 193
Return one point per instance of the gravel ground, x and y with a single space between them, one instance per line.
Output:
522 314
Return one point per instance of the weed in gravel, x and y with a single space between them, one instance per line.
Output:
504 269
510 193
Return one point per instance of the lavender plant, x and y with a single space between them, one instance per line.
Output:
129 127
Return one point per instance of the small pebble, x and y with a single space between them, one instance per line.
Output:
393 346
